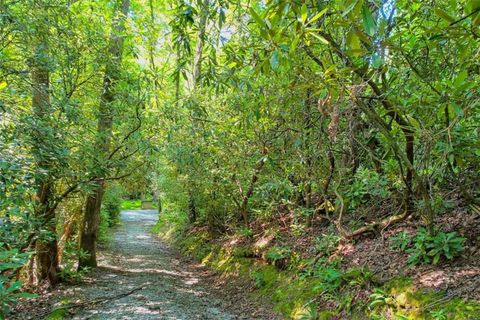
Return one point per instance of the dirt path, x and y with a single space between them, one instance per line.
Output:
141 278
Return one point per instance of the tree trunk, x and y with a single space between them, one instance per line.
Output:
91 223
246 197
88 237
197 62
46 245
197 71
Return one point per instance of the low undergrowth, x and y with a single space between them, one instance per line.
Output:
315 286
131 204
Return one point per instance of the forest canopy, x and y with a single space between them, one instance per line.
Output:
354 115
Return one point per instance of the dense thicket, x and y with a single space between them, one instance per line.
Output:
361 113
364 106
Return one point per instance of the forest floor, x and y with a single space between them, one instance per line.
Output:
140 277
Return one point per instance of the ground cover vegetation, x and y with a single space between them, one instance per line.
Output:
325 152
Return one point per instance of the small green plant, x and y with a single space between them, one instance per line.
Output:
10 261
358 277
297 229
429 248
71 254
245 232
279 256
331 278
258 279
379 298
401 241
439 314
278 253
310 313
326 244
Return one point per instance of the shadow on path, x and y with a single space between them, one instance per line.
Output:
139 277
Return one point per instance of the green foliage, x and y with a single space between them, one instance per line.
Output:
112 203
399 297
326 244
368 185
258 278
245 232
10 262
400 241
439 314
131 204
429 248
310 313
379 298
331 279
71 254
278 253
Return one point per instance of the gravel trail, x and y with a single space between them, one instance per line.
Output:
139 277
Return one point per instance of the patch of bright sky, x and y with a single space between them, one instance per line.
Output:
387 9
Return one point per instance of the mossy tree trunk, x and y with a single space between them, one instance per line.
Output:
91 221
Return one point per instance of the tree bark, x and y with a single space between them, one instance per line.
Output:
46 245
197 61
251 187
196 74
91 221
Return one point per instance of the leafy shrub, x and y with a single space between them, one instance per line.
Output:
380 298
425 248
112 204
430 248
258 279
298 229
245 232
71 254
331 278
279 256
367 184
326 244
278 253
401 241
11 261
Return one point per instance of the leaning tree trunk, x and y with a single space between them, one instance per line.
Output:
46 246
197 72
91 221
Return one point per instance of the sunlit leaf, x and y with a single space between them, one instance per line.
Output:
368 22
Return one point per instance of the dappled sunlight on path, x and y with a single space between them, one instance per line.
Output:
139 277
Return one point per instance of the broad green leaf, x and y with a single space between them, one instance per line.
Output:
304 13
322 39
457 109
443 14
317 16
3 85
26 295
353 43
377 61
257 18
349 8
368 22
293 45
14 286
460 79
274 60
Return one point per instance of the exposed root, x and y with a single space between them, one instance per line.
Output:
380 225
